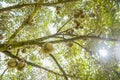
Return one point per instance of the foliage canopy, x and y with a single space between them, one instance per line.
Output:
59 39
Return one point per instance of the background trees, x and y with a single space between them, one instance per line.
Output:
83 36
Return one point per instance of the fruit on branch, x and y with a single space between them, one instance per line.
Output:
70 31
70 44
76 15
82 16
58 9
79 13
81 27
21 65
77 24
24 50
47 48
1 37
12 63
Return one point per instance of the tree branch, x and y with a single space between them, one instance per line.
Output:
64 25
30 17
15 33
25 22
33 64
3 73
83 47
32 4
40 41
59 67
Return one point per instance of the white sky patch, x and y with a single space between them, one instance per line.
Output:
2 56
3 67
64 62
52 29
46 62
103 52
65 17
16 13
53 9
4 4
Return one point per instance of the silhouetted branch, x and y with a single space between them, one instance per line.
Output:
32 4
32 64
83 47
20 28
3 73
59 66
25 22
63 25
40 41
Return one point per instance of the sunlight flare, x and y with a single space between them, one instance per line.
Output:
103 52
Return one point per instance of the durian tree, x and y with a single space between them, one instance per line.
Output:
59 40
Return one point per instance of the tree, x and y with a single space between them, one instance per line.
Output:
59 40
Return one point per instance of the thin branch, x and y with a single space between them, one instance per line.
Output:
30 16
46 37
18 50
33 64
25 22
83 47
3 73
64 25
40 41
32 4
59 66
93 31
19 29
15 7
28 54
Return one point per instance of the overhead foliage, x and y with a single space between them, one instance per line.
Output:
59 39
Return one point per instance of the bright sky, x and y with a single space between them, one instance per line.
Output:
4 4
